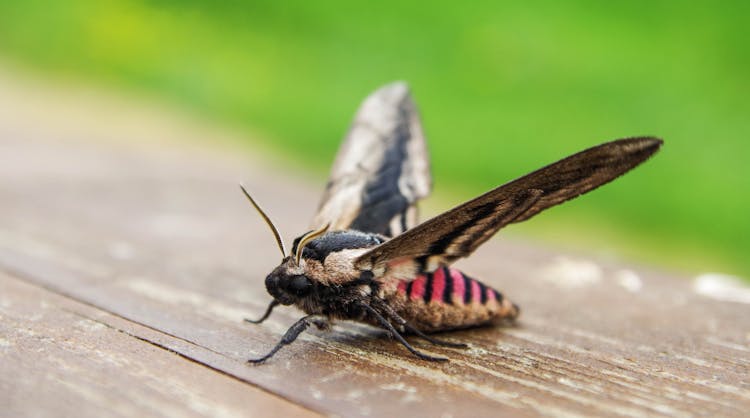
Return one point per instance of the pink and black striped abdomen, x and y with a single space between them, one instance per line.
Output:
448 299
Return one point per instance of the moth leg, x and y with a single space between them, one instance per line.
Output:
291 334
387 325
274 303
405 325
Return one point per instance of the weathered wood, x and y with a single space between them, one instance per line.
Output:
64 358
161 242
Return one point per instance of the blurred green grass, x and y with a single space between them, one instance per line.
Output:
503 87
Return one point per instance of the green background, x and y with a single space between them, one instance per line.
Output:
503 89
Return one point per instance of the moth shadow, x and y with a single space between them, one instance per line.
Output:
370 337
479 334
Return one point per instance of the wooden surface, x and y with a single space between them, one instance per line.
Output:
128 259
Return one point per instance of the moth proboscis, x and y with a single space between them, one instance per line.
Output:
366 259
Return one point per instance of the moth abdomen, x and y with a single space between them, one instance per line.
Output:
449 299
450 286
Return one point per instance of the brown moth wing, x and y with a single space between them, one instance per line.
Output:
381 169
452 235
458 232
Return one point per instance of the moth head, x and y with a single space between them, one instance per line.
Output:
287 283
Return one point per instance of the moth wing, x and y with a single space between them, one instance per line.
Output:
381 169
458 232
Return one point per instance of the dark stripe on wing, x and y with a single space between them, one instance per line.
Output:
382 199
440 245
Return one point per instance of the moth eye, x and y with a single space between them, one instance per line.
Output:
300 285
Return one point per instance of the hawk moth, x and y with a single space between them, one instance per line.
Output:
367 259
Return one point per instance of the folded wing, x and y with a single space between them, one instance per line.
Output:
381 170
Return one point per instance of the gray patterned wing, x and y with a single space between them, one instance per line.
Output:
458 232
381 169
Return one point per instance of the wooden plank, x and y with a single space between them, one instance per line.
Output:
161 237
63 358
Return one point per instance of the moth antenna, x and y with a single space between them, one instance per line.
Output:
268 221
307 238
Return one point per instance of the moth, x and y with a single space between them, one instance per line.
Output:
367 259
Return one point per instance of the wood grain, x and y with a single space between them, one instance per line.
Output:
140 258
64 358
